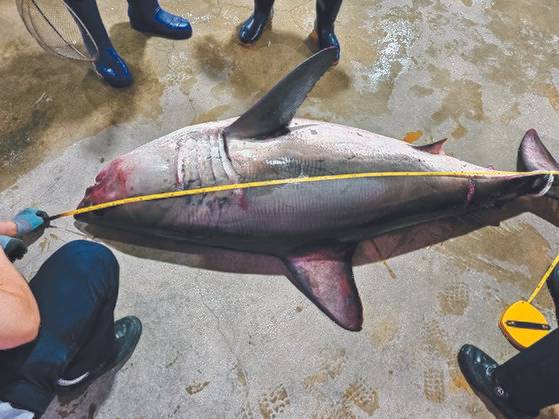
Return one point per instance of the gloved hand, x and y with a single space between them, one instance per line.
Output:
13 248
30 220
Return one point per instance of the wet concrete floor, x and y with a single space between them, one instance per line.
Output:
217 344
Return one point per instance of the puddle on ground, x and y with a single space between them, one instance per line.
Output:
462 99
525 49
48 102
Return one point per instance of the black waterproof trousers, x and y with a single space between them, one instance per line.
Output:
76 290
531 378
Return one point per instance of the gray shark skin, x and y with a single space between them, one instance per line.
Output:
312 227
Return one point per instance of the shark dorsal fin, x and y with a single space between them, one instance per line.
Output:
433 148
274 112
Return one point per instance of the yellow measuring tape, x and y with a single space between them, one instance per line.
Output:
544 279
521 322
519 311
276 182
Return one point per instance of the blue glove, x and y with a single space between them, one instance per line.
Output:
30 220
13 248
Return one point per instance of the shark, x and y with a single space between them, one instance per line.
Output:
313 228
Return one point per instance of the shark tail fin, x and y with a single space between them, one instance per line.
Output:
533 155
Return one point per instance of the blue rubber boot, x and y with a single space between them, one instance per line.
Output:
254 26
108 64
326 14
147 16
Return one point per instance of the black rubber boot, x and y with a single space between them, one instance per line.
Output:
254 26
478 368
326 14
127 334
553 287
108 64
147 16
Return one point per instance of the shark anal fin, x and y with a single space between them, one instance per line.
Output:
433 148
325 276
274 112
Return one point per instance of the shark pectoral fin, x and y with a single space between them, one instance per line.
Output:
325 276
433 148
274 112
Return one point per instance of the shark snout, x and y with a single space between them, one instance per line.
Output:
110 184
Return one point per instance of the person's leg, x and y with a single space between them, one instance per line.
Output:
148 16
531 378
326 14
523 385
252 29
76 290
553 287
108 64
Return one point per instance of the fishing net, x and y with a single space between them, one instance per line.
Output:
57 29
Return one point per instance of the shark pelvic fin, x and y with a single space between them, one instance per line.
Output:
325 276
274 112
433 148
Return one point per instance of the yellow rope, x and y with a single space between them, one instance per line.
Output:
276 182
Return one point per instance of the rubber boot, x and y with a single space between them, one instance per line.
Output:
326 14
553 287
478 369
108 64
254 26
147 16
127 335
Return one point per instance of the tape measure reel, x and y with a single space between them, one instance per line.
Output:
522 323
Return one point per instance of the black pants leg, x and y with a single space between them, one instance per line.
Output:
88 12
326 14
263 7
532 376
553 287
76 290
